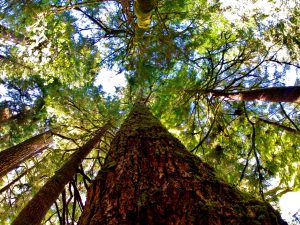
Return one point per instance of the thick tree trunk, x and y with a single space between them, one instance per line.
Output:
272 94
36 209
150 178
13 156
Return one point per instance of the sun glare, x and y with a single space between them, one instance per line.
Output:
110 80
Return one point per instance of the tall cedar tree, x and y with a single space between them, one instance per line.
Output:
15 155
150 178
36 209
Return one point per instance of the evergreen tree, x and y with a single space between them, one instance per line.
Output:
199 66
150 178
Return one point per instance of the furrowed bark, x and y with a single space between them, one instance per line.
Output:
150 178
272 94
13 156
146 5
36 209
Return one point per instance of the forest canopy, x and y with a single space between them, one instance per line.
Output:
213 72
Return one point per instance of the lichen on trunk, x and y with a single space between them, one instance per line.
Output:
150 178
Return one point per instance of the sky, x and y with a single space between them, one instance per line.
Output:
289 204
109 79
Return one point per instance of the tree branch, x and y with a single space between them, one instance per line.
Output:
287 116
289 129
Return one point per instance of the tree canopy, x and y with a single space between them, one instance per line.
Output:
182 58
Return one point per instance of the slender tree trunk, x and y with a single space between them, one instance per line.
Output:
13 156
146 5
36 209
272 94
150 178
15 180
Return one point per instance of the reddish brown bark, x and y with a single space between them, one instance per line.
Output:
13 156
273 94
19 118
36 209
150 178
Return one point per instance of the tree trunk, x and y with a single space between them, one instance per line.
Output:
36 209
142 10
13 156
20 118
272 94
150 178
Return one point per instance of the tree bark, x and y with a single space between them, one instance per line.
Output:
150 178
13 156
272 94
146 5
36 209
